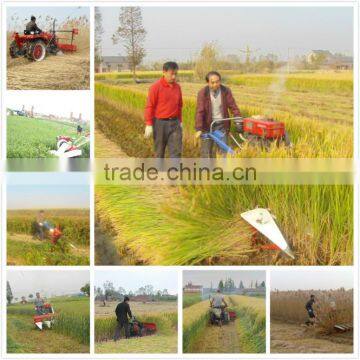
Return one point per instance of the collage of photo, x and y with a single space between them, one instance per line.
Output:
178 180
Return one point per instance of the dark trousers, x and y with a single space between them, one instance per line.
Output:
119 326
167 133
209 147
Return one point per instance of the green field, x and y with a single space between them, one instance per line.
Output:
191 299
202 224
163 314
34 138
70 334
73 248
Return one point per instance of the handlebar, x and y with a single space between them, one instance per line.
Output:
225 119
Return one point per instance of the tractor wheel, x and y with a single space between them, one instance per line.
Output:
37 51
14 50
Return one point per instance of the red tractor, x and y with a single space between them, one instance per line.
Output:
36 44
45 317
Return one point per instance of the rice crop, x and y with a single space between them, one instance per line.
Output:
289 306
182 226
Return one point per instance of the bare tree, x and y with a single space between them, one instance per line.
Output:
132 35
99 30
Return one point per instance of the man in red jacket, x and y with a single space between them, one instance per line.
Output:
214 102
163 113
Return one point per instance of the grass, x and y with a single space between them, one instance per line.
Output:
190 299
70 333
34 138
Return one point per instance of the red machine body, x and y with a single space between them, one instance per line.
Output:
266 129
150 328
232 315
35 46
48 314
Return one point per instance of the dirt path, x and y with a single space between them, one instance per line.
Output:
105 148
24 338
55 72
293 338
221 340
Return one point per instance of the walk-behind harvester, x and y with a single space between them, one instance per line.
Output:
35 45
45 319
255 131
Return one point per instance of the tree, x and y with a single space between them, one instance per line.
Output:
31 296
108 289
207 61
262 284
86 289
256 284
9 294
221 285
99 30
132 35
241 285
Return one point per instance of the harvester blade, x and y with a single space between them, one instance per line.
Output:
39 325
262 221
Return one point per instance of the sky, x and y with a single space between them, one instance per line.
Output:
48 102
48 283
312 280
206 278
178 33
23 13
132 280
47 190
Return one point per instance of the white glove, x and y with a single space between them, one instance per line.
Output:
148 131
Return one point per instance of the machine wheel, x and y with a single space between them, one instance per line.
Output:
37 51
14 50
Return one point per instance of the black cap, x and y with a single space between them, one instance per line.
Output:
33 18
126 298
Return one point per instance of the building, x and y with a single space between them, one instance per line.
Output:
112 64
330 61
190 288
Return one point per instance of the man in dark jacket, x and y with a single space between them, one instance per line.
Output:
32 27
215 101
123 313
309 308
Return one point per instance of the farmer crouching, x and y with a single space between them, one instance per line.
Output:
214 102
40 225
163 113
123 314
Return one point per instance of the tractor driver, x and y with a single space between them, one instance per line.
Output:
214 102
218 300
39 304
32 27
310 311
123 313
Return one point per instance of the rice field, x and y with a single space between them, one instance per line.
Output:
164 314
185 224
248 329
73 248
70 334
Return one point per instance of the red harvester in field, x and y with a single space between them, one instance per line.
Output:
35 45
